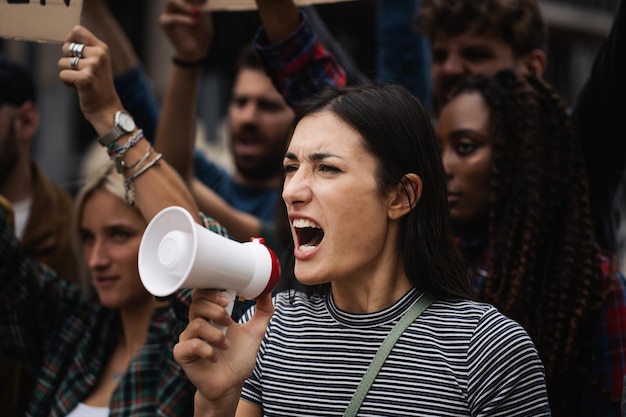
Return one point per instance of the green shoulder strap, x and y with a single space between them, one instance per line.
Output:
370 375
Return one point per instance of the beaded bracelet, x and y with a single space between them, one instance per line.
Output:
118 152
129 183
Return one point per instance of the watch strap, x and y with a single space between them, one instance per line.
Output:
112 135
123 124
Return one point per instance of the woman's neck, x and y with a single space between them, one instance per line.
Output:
135 323
374 290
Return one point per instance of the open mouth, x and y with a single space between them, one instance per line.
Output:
309 234
249 140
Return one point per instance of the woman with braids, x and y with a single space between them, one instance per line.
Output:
518 198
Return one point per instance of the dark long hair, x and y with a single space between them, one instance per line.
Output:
398 131
546 269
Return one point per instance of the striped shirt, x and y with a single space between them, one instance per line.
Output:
459 358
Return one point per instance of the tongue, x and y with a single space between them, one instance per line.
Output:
316 238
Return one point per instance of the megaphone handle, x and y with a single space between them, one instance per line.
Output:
231 295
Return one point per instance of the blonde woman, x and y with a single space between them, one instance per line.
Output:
106 351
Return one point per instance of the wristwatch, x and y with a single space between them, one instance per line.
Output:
124 124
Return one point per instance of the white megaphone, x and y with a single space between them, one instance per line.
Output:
176 252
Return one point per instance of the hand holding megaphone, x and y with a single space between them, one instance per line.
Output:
176 252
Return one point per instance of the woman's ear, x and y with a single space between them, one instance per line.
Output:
405 196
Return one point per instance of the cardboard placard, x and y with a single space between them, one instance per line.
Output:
39 20
234 5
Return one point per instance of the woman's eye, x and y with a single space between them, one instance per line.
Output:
290 168
465 148
120 235
86 237
328 168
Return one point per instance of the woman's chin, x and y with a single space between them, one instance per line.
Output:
306 276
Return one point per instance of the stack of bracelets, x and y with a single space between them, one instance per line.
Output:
116 153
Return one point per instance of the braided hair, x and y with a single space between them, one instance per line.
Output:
546 269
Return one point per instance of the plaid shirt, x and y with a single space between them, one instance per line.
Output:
299 65
608 344
66 340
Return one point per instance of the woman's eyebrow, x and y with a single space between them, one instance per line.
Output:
316 156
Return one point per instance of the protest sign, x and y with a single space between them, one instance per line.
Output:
39 20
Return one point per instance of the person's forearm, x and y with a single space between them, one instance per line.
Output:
241 226
299 65
149 181
280 18
176 129
158 187
151 184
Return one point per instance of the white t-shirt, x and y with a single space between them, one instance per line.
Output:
83 410
21 211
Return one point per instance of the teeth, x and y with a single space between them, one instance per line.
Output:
306 248
312 238
300 223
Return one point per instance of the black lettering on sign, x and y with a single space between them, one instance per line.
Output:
42 2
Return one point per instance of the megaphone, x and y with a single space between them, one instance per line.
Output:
176 252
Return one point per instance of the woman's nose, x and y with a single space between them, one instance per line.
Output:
96 255
296 189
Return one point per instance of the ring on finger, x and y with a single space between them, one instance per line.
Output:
74 62
76 49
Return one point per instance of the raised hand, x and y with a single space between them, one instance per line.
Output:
189 28
280 18
87 68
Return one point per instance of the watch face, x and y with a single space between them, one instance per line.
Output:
125 121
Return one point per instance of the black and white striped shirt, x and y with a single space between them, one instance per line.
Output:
459 358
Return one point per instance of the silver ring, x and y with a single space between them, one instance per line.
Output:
76 49
74 62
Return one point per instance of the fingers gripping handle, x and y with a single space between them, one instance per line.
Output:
231 295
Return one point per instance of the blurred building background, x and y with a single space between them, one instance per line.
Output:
576 29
